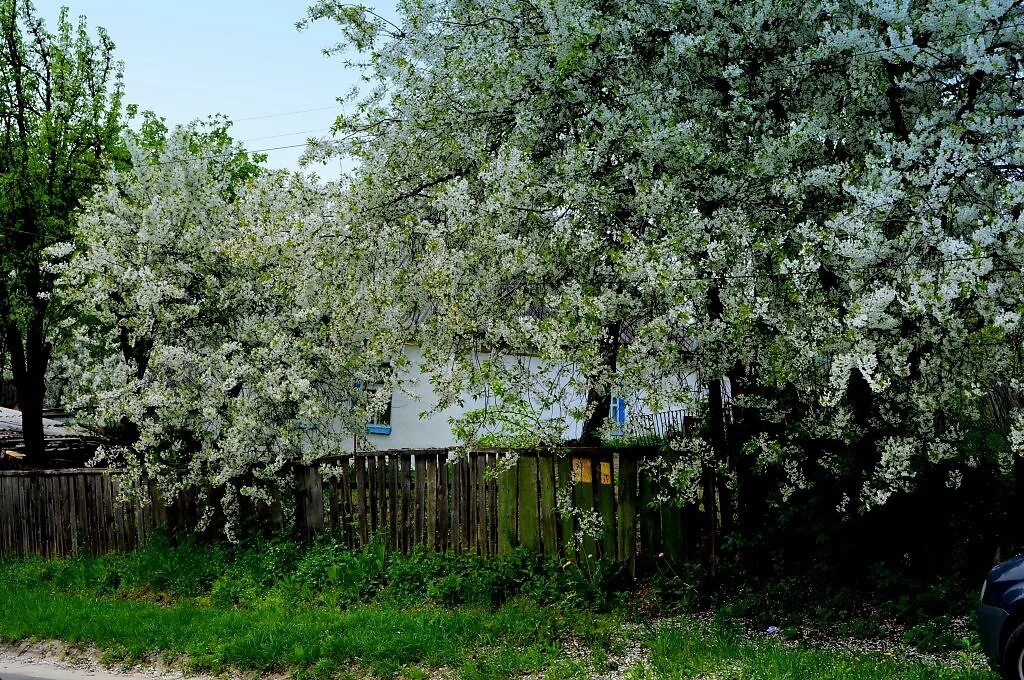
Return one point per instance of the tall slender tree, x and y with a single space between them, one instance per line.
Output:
60 113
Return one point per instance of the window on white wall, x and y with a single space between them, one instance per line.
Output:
618 415
382 424
619 410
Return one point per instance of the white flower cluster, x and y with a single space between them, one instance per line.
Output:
224 333
588 523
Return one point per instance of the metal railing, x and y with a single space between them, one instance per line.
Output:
656 426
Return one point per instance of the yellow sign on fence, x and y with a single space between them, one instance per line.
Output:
581 471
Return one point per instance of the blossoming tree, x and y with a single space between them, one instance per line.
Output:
810 209
223 335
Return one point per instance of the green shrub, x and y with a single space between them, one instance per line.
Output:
280 570
933 636
449 590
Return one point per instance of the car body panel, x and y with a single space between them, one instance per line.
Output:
990 629
1002 601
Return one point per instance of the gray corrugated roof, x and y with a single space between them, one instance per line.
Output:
64 445
10 421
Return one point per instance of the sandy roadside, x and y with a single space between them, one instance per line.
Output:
56 661
15 669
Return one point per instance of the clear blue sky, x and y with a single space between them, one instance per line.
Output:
186 59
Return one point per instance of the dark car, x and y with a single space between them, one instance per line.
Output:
1001 618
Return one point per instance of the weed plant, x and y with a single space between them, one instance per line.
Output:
272 571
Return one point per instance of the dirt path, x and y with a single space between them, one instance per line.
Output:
56 661
16 669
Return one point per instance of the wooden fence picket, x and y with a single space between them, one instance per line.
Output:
627 512
508 499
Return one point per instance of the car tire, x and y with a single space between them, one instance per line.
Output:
1012 667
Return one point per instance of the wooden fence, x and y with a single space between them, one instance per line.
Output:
585 502
588 502
73 512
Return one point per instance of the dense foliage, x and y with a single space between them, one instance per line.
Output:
222 333
811 210
255 571
60 119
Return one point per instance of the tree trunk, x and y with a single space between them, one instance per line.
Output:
600 405
749 499
863 452
30 398
29 356
599 401
712 488
717 432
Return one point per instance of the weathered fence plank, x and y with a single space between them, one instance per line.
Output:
421 483
627 498
650 516
529 512
508 497
455 470
393 506
360 464
334 513
492 502
310 502
548 511
430 500
566 522
604 502
472 504
405 525
480 484
583 471
444 502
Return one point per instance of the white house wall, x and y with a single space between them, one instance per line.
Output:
410 431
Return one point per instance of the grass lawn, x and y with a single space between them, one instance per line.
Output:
517 638
689 652
322 611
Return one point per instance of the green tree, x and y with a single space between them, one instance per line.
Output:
60 114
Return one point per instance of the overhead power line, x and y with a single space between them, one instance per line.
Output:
792 66
285 134
891 48
286 113
176 161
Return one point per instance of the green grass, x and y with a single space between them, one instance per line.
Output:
515 638
518 637
323 611
689 652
